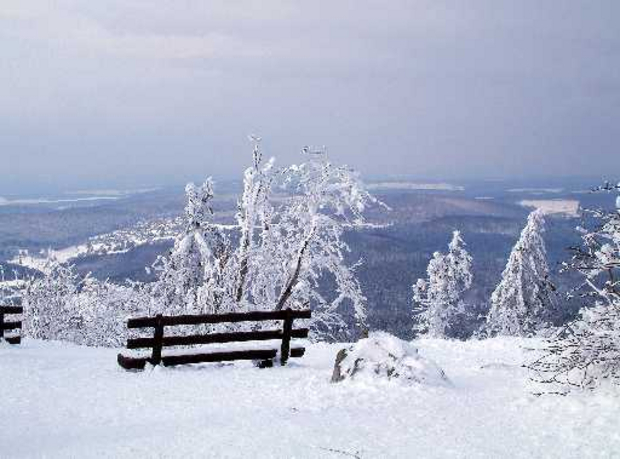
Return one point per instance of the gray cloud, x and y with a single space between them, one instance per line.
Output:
152 92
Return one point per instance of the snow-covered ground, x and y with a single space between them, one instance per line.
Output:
381 186
567 207
60 400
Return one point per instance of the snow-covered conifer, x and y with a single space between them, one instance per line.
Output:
439 308
254 214
525 300
189 277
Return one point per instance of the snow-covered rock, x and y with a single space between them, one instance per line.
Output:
385 356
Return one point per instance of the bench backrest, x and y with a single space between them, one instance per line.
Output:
6 325
158 341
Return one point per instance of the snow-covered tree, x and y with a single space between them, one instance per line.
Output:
439 307
190 276
289 247
254 214
284 251
524 301
299 249
587 351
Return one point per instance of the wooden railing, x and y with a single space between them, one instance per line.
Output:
6 325
158 341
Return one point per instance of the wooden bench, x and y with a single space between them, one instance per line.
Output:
264 356
12 325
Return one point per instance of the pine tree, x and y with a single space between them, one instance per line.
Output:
253 215
524 301
189 277
439 308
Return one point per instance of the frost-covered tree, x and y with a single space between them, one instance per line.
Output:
439 307
288 247
586 352
254 214
300 248
524 301
326 199
190 276
285 251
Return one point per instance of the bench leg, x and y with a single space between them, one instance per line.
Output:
265 363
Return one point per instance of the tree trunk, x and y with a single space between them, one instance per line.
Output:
286 293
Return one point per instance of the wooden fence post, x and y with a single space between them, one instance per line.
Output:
286 337
158 338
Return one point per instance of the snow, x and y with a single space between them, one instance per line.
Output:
567 207
14 283
62 256
536 190
414 186
61 400
23 202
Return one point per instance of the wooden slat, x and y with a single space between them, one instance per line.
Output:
263 335
13 339
11 309
253 316
132 363
11 325
256 354
138 363
297 352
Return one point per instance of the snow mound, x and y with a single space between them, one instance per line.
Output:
384 356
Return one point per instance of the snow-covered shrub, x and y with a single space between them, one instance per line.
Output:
104 308
63 306
48 312
439 308
587 351
525 300
384 356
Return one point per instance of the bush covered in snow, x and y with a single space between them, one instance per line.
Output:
384 356
62 306
587 351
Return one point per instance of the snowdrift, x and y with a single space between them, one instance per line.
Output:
67 401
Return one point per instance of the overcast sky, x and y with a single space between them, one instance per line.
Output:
155 92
